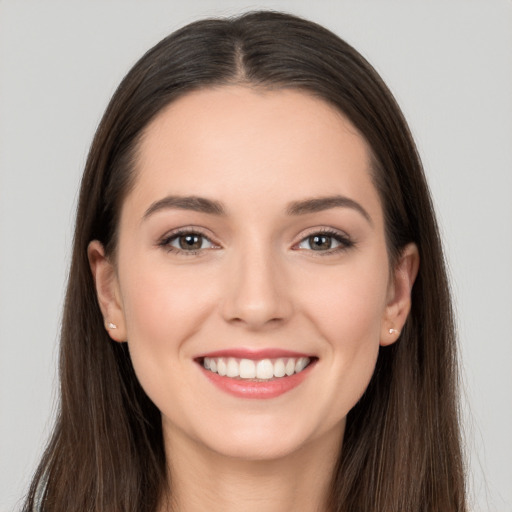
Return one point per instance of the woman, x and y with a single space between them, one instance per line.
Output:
257 315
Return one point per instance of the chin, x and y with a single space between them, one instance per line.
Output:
268 447
263 439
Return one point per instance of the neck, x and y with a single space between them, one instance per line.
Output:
205 480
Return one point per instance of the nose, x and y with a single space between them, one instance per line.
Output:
257 293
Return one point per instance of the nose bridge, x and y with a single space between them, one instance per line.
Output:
256 294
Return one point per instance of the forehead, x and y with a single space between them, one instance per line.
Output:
244 144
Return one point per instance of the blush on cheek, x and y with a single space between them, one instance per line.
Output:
161 314
351 321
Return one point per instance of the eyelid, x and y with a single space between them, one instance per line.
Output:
166 239
343 238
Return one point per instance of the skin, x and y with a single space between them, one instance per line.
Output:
255 283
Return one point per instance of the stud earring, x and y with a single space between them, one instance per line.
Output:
393 331
112 326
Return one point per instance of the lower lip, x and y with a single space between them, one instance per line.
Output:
258 389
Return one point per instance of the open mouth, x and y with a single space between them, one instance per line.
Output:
260 370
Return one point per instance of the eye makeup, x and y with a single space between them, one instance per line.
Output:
191 241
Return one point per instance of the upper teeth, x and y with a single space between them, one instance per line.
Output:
261 369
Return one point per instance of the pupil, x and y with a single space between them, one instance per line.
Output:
188 242
320 242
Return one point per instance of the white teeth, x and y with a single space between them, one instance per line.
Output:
263 369
233 370
301 364
279 368
221 367
247 369
290 367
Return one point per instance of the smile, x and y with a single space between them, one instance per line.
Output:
256 374
262 370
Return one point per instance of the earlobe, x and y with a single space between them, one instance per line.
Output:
107 291
399 301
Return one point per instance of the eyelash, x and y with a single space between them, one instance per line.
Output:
167 239
344 241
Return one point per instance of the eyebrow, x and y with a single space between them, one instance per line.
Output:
326 203
209 206
194 203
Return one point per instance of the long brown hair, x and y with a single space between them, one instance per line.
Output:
401 450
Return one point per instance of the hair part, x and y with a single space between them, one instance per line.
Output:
401 449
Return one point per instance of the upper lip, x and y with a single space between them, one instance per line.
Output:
254 354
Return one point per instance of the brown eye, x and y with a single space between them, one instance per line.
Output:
326 242
187 242
190 242
320 242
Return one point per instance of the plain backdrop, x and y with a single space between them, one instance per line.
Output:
448 62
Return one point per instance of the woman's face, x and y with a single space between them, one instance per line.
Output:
253 242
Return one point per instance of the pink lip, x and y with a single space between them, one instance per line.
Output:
243 388
245 353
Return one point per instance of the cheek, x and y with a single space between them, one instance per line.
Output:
163 309
348 307
348 312
159 300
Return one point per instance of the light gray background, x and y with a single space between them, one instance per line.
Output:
448 62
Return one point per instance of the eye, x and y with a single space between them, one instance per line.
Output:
187 242
325 241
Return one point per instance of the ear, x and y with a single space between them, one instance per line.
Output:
399 294
107 290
